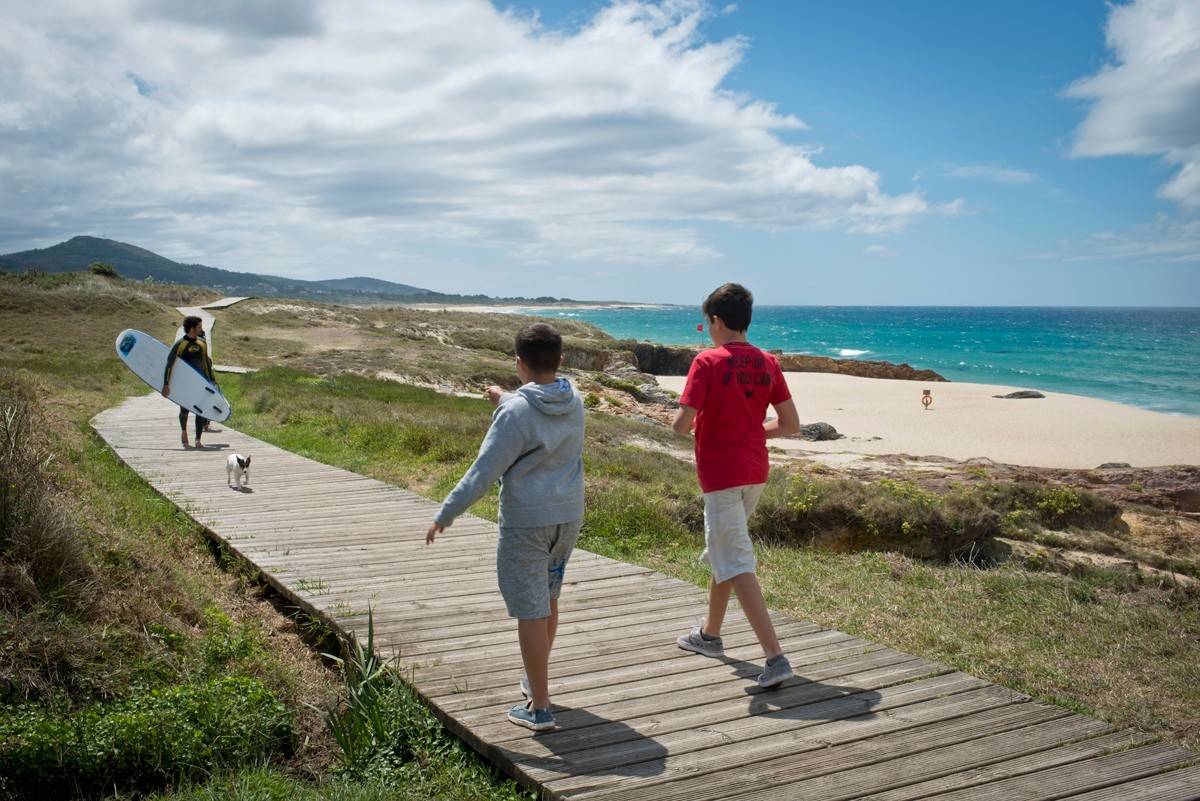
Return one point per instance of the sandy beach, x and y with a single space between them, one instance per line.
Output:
883 416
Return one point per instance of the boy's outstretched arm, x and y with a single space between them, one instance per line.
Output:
787 421
501 447
682 424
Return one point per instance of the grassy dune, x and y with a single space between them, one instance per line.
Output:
149 606
134 654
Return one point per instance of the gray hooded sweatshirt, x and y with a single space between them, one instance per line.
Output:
534 448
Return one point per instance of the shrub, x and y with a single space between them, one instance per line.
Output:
882 515
105 270
901 516
591 400
42 558
621 385
143 742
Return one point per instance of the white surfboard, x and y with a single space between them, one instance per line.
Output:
147 358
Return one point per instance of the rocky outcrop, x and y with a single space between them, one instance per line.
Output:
1023 394
818 432
801 363
661 359
675 360
640 385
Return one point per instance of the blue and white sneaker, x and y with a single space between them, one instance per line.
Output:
535 719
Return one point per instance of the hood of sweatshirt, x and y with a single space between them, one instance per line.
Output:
553 399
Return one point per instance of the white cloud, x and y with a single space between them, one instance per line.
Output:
298 135
1148 101
878 250
992 172
1163 241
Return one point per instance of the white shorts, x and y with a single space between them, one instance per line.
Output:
727 547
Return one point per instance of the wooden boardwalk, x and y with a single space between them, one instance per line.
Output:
638 717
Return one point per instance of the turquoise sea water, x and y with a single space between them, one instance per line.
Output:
1145 357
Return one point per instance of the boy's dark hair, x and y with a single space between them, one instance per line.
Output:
540 347
190 322
733 303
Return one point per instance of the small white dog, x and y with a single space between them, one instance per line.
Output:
237 469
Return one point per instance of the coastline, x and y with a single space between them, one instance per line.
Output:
532 310
881 416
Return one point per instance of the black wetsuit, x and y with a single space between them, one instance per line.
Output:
194 351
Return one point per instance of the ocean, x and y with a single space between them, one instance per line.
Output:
1139 356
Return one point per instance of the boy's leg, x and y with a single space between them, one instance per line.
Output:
535 655
749 592
561 548
200 421
183 416
530 566
718 602
755 608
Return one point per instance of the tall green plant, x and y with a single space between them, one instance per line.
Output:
362 724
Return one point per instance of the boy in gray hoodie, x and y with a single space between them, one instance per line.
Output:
534 448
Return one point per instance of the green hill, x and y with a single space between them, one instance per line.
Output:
139 264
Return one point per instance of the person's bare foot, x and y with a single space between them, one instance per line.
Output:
198 443
183 438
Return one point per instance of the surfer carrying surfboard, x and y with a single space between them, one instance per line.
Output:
192 349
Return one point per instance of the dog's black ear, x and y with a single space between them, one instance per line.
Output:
247 461
242 462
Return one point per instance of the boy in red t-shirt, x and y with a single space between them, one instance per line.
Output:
727 393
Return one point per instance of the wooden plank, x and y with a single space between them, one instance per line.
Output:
837 782
1078 777
1020 766
1175 785
732 767
645 720
689 752
584 729
820 724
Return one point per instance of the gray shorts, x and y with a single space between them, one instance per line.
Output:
530 564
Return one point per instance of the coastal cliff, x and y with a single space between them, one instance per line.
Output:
675 360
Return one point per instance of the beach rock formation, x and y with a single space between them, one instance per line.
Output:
1114 465
1021 395
801 363
819 432
675 360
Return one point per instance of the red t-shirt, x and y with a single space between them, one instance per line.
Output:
730 388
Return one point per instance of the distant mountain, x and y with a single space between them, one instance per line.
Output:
375 285
137 263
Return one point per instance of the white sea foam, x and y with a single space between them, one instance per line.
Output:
851 352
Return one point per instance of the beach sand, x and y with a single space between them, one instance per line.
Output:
966 422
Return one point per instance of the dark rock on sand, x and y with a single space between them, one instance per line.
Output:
1025 393
1114 466
819 432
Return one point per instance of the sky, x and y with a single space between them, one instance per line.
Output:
818 151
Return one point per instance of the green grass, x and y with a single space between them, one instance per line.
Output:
164 614
1102 643
156 736
162 611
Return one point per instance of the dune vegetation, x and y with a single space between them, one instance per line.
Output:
114 605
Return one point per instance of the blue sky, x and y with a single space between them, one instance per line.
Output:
1025 153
